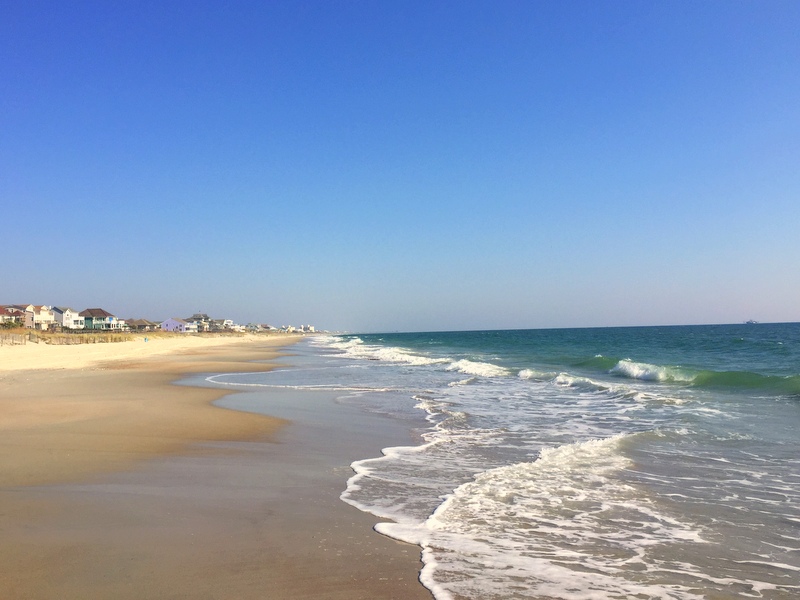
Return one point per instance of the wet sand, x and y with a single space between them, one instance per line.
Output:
152 492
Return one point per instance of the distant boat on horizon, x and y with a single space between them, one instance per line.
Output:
751 322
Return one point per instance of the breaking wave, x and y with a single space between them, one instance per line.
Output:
743 380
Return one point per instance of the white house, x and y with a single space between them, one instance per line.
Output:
68 318
38 317
179 325
202 320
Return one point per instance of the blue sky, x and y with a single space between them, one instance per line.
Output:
380 166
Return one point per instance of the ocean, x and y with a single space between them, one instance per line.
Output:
641 462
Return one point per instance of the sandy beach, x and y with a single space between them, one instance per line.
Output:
114 483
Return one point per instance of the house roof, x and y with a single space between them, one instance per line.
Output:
63 309
140 322
96 313
178 320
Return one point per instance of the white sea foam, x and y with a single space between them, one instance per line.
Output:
574 502
481 369
567 380
648 372
460 382
650 397
339 343
533 374
395 355
356 348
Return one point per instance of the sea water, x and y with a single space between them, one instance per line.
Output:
653 462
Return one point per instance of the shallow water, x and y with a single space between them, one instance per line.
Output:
599 463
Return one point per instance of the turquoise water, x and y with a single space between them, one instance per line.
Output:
653 462
732 356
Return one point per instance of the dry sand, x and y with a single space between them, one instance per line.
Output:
69 411
116 484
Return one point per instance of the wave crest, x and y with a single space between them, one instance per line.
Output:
707 379
481 369
647 372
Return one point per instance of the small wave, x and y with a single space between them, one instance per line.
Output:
431 405
647 372
395 355
537 375
356 348
646 397
613 390
587 453
467 381
743 380
339 343
567 380
598 362
526 374
480 369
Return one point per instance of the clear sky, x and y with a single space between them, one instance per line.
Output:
381 166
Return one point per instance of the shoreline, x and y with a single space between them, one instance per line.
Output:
117 483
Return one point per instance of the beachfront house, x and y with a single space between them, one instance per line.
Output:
202 320
39 317
142 325
11 314
68 318
179 325
99 319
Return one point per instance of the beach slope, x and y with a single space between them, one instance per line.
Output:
114 483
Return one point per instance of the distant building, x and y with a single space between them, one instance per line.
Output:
179 326
99 319
202 320
68 318
10 314
142 325
39 317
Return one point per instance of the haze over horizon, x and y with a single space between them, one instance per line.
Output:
404 166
